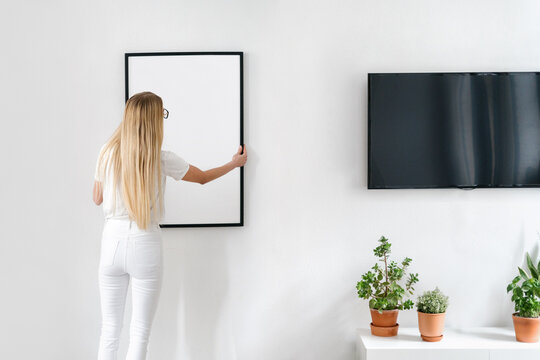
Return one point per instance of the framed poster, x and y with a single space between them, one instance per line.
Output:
203 92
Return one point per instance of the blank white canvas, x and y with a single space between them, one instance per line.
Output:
202 94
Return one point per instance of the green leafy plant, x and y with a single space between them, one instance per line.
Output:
432 302
381 284
526 297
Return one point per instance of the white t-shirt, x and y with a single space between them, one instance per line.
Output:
171 165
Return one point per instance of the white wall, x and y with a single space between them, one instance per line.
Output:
283 286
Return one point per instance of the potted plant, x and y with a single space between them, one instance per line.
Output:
381 285
526 298
431 308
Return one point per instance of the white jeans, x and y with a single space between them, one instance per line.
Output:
128 252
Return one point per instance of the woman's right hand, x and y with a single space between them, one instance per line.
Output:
240 159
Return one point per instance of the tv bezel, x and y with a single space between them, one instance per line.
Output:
455 186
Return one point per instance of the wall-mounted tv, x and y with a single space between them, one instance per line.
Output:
462 130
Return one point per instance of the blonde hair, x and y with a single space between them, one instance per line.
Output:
135 157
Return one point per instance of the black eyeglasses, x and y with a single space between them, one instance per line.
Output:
165 113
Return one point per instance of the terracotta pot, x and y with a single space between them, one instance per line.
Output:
387 318
384 324
431 326
527 329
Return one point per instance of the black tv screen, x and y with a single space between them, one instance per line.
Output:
465 130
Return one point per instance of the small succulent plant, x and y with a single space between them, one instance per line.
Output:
432 302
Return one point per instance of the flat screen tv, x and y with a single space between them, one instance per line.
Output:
453 130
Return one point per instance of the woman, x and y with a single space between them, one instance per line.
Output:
131 245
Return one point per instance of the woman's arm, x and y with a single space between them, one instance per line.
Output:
194 174
97 193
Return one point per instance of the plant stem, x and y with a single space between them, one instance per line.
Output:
386 275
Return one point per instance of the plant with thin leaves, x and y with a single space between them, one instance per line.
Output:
526 297
381 285
432 302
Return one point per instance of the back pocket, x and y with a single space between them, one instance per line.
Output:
109 248
147 252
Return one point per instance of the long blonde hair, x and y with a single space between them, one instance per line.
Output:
135 157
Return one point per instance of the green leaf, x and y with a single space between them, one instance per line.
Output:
523 274
531 267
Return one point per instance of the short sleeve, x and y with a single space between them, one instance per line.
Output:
173 165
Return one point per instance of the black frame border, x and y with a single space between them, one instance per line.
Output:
175 53
481 186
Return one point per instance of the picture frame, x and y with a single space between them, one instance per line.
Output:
204 93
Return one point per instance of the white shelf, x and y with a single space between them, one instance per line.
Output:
463 344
